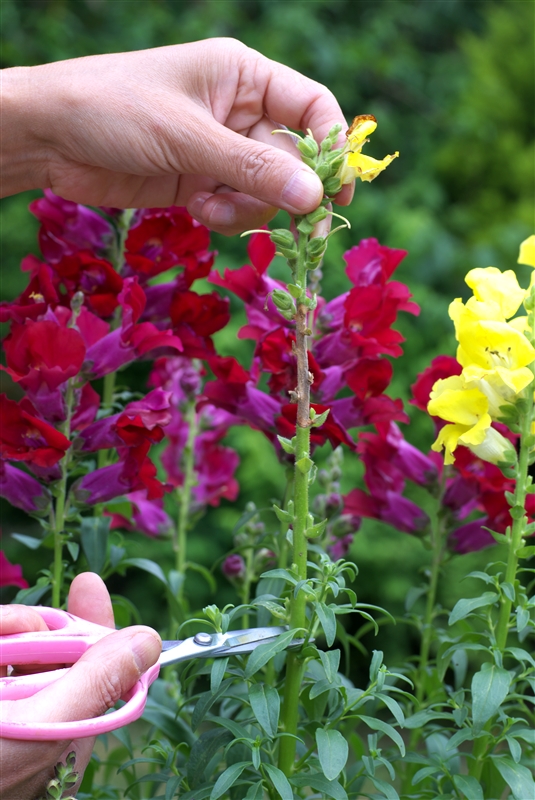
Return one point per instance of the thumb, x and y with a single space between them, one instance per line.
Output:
99 678
260 170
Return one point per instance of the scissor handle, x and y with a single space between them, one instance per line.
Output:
27 685
66 640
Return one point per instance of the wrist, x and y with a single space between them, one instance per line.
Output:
23 159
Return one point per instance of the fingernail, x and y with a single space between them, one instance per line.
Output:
146 649
221 214
195 206
303 191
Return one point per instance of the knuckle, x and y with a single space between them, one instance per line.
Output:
255 164
107 687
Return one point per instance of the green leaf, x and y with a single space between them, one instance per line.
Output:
465 606
203 751
244 519
265 702
509 590
94 534
228 778
237 730
489 689
207 575
316 530
518 778
319 419
514 748
521 655
333 751
147 566
279 781
377 660
280 573
27 541
527 734
168 723
31 596
219 667
287 445
394 707
172 787
384 727
304 465
526 552
331 662
469 786
256 792
386 788
320 783
205 703
283 516
74 550
275 609
265 652
327 620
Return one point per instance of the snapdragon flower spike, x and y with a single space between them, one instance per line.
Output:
11 574
214 464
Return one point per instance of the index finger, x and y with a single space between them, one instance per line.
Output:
17 618
299 102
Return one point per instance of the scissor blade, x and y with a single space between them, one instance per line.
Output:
204 645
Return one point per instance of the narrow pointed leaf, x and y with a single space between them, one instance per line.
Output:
333 751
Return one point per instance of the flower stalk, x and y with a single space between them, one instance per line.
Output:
183 495
60 504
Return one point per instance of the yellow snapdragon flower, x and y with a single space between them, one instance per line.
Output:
491 286
467 411
356 164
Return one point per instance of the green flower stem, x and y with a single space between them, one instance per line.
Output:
519 525
294 663
61 496
515 542
107 401
183 495
123 226
282 561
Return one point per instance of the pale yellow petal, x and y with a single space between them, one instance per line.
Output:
527 252
490 285
367 168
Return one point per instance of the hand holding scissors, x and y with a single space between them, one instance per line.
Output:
53 701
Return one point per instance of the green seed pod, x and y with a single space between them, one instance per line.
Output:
332 185
316 247
283 300
323 171
317 215
283 238
308 147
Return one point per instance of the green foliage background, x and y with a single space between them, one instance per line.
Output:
452 84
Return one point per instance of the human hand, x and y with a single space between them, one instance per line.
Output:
188 125
98 679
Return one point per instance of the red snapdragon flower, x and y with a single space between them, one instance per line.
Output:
95 277
43 352
440 367
25 437
164 238
11 574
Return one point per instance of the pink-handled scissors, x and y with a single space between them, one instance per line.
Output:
68 638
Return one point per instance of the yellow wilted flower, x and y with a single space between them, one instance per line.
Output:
357 165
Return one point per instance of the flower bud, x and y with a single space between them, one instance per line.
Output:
233 567
308 147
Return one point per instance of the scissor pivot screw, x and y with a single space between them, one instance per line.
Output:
203 638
